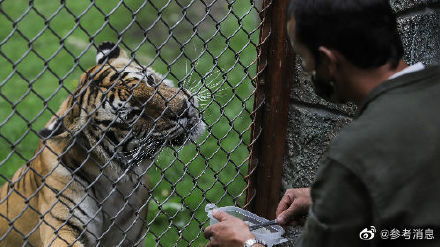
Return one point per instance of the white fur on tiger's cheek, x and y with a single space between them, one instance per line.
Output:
198 130
52 125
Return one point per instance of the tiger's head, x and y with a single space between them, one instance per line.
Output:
124 112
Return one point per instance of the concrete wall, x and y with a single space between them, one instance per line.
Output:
314 122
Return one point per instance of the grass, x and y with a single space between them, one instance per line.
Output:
45 47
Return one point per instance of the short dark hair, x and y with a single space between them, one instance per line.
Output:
364 31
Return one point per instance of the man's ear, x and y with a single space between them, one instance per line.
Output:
329 58
107 51
53 128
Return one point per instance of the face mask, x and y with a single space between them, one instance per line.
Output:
324 88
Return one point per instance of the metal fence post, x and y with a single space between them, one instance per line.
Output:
274 78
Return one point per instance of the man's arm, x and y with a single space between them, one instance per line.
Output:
340 210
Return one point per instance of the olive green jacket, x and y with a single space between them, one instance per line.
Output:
383 171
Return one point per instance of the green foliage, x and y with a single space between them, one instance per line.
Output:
45 47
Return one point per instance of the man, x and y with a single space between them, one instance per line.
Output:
378 183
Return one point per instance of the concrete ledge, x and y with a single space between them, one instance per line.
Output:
420 34
303 92
413 5
308 137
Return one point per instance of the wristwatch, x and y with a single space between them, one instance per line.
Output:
252 241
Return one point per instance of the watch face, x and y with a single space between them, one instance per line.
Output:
251 242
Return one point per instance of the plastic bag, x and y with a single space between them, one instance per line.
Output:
272 235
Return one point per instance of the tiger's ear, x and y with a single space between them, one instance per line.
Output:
53 128
57 124
107 51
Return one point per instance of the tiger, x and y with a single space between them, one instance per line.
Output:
87 183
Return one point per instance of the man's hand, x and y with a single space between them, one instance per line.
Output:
230 231
293 207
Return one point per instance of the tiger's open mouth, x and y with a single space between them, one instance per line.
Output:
187 128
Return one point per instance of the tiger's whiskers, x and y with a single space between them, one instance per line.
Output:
206 89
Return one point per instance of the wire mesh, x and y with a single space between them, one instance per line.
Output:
68 189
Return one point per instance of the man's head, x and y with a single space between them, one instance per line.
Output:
333 35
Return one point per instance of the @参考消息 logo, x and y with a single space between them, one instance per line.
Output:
367 234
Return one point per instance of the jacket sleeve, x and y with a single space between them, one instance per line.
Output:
340 210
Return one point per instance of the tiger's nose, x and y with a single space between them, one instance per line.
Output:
178 113
184 111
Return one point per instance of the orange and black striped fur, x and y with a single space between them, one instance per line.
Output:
86 185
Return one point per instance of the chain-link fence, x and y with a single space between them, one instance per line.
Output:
108 167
